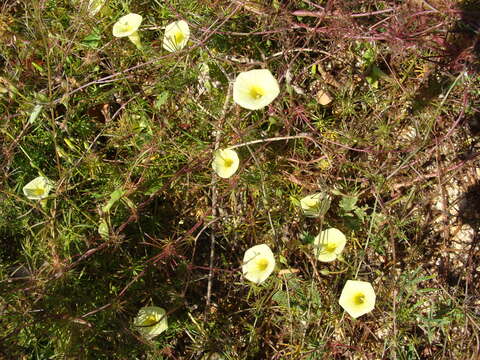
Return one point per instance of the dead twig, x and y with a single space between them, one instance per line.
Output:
214 192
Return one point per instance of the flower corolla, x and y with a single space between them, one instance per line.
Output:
329 244
127 26
151 321
176 36
315 205
255 89
38 188
225 162
357 298
258 263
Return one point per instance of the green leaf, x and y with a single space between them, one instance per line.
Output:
307 238
374 74
161 99
34 114
368 56
38 67
282 260
348 203
114 197
280 297
294 201
92 40
361 213
103 230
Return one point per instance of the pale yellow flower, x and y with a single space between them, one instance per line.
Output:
329 244
258 263
127 26
151 321
357 298
94 6
38 188
255 89
225 162
176 36
315 205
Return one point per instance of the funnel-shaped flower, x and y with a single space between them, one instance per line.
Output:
225 163
176 36
94 6
127 26
258 263
357 298
151 321
38 188
315 205
255 89
329 244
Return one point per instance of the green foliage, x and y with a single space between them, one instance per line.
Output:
127 137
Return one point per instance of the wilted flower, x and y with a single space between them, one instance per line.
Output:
176 36
357 298
127 26
329 244
258 263
255 89
38 188
151 321
225 162
315 205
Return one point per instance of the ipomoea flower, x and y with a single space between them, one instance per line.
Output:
329 244
94 6
38 188
258 263
225 162
315 205
176 36
255 89
127 26
151 321
357 298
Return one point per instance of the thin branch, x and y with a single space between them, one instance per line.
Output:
322 14
280 53
279 138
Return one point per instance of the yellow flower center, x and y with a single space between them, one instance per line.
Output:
178 37
262 264
311 203
256 92
359 299
126 27
330 247
38 192
227 162
152 319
